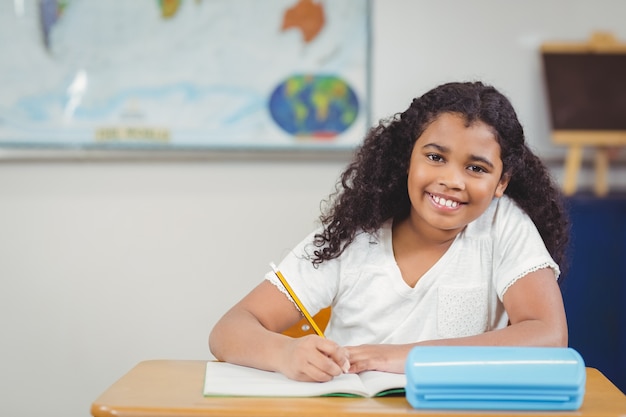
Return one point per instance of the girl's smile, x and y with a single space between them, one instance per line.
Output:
445 203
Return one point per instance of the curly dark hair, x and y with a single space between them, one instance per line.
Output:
373 187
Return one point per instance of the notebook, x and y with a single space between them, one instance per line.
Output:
226 379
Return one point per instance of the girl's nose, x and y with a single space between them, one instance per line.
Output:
452 178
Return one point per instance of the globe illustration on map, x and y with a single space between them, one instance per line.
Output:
316 106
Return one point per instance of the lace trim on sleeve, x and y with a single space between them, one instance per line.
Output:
282 289
528 271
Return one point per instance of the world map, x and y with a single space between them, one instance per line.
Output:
314 106
184 73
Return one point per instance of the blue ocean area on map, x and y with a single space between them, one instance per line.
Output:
39 107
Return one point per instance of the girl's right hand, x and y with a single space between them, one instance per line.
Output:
313 358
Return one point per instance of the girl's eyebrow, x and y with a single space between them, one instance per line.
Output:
445 149
483 160
439 148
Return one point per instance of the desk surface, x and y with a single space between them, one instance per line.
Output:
173 388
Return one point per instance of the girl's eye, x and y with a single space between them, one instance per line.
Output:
476 168
434 157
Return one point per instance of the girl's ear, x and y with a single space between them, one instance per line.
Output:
504 182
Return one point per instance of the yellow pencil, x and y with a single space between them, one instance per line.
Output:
297 300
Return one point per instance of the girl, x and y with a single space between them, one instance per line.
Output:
445 230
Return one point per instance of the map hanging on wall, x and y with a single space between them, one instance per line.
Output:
280 74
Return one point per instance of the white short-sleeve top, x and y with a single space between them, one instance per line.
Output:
460 295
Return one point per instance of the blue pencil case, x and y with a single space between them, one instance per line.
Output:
495 378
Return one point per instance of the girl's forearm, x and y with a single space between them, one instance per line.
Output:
525 333
391 358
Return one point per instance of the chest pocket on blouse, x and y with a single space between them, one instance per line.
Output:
462 310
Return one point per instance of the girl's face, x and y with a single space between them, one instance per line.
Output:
454 173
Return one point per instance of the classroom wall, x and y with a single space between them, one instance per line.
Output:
106 263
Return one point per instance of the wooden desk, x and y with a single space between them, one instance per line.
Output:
170 388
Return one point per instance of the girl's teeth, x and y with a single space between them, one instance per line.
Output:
444 202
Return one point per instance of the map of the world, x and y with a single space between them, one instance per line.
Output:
184 73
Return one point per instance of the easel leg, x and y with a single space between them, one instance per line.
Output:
601 187
572 165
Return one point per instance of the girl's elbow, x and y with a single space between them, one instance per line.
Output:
558 337
563 339
211 343
214 344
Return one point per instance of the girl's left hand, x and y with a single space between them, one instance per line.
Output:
387 358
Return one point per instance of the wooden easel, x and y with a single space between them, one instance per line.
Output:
602 141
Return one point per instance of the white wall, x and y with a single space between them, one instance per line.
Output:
104 264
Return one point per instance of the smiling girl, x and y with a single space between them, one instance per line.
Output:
445 230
